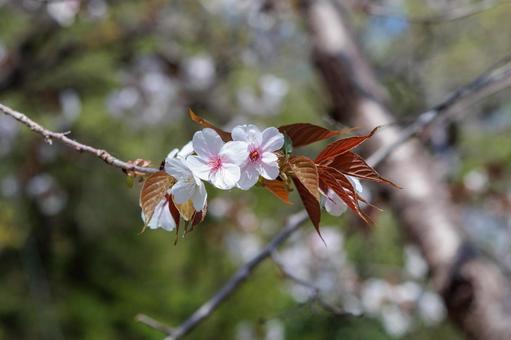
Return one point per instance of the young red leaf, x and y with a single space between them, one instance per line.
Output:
340 146
226 136
199 216
340 184
349 163
153 191
278 188
310 203
173 210
304 169
304 133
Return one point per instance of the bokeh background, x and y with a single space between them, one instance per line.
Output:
121 75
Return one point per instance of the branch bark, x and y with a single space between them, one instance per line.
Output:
49 136
476 293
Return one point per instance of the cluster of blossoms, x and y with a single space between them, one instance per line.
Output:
246 156
238 163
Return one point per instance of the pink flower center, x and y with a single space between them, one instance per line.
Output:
254 155
215 163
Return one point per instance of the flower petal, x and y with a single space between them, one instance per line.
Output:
269 157
356 184
247 133
199 197
226 177
207 143
273 140
176 168
333 204
199 167
234 152
186 150
161 217
182 191
268 170
172 154
248 177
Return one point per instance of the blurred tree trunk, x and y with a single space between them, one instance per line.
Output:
475 292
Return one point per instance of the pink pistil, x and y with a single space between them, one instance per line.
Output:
215 163
254 155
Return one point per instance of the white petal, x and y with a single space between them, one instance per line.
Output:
199 197
247 133
234 152
207 143
269 170
182 191
273 140
161 217
226 177
172 154
269 157
199 167
356 184
177 168
333 204
186 150
248 177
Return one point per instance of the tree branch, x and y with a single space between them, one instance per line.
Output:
293 224
49 136
448 15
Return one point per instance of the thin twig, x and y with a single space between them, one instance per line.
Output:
448 15
490 82
148 321
49 136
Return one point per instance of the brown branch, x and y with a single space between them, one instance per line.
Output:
49 136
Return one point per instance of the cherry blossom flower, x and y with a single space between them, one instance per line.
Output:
188 186
185 151
216 161
261 159
161 217
333 204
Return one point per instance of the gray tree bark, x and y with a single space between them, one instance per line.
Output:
476 293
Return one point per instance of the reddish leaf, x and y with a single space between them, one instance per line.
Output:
342 145
340 184
173 210
304 133
349 163
153 191
310 203
278 188
226 136
304 169
199 216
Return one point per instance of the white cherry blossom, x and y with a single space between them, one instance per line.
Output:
188 185
185 151
216 161
261 159
161 217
